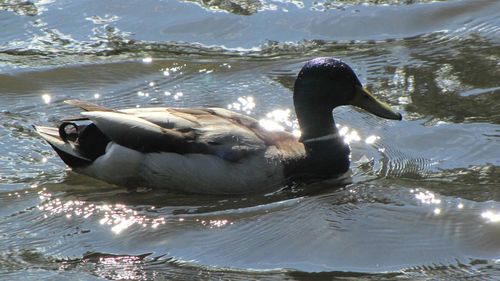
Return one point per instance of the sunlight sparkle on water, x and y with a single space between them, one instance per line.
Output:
117 216
427 197
215 223
121 268
178 95
244 103
281 115
147 60
352 136
207 71
371 139
491 216
343 131
167 71
122 224
280 120
46 98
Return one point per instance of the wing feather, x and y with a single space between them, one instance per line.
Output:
218 131
139 134
87 106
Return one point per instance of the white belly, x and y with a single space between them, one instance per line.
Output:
196 173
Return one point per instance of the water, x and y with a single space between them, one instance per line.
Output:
424 202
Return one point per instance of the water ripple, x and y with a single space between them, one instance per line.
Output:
423 198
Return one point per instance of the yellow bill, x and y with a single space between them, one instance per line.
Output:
365 100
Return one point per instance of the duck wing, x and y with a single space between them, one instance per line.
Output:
242 134
87 106
220 132
140 134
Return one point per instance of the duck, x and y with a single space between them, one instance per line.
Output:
215 150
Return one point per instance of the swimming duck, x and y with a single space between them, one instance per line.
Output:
215 150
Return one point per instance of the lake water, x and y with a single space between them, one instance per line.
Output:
424 202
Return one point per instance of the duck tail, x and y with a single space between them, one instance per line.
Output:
65 149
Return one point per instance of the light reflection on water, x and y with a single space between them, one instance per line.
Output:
243 104
118 217
426 197
423 199
126 268
491 216
46 98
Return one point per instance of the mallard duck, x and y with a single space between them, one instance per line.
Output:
215 150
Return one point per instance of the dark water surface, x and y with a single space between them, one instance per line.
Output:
424 202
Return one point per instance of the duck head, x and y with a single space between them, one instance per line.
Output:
325 83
